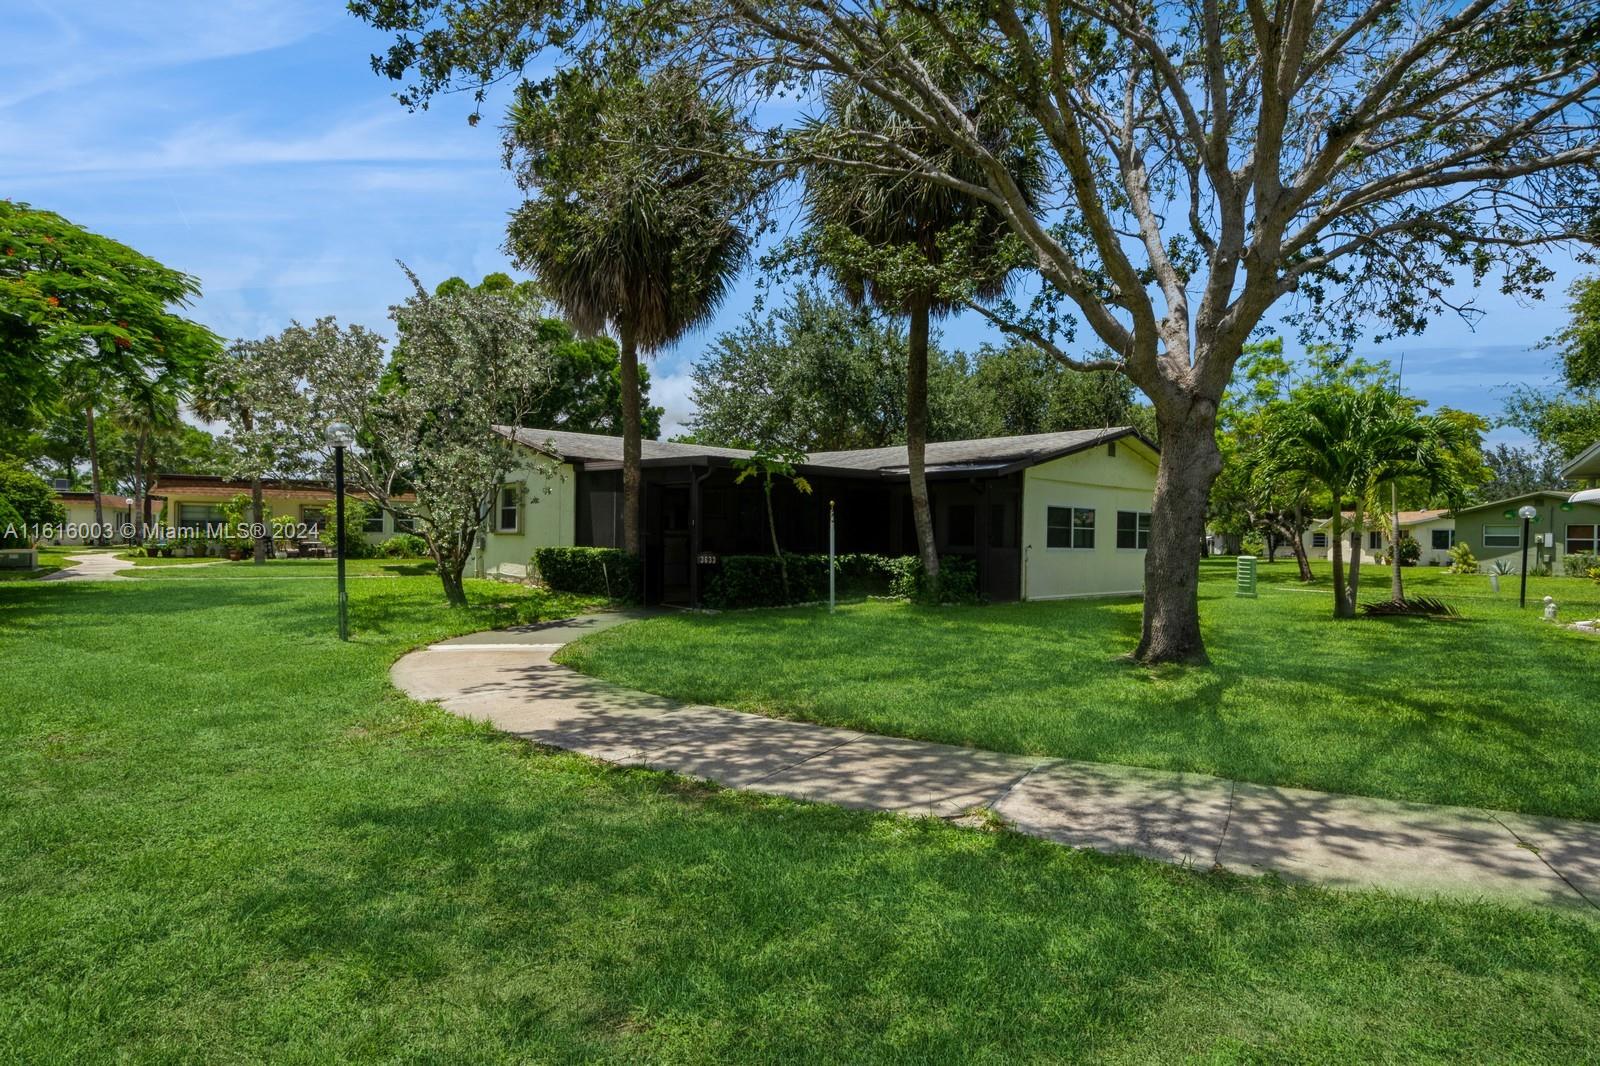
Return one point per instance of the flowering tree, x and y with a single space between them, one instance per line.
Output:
237 388
473 358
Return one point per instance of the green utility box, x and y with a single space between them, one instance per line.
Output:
1245 577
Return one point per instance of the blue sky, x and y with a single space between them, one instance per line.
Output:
248 142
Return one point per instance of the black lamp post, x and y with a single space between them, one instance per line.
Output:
341 437
1527 512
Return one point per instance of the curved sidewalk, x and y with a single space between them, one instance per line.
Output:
506 678
91 565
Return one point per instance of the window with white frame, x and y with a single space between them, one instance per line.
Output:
1375 539
1444 540
1582 539
1133 529
311 518
508 510
1319 540
374 522
1502 537
1069 527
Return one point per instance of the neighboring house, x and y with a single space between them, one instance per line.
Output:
1045 516
1434 531
116 513
1586 467
1495 532
195 501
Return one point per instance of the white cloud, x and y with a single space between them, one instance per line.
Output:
671 392
68 44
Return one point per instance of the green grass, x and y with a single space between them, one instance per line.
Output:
1494 709
225 837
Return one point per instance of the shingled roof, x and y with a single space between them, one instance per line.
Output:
985 454
988 455
599 448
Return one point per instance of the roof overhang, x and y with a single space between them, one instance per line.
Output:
1586 466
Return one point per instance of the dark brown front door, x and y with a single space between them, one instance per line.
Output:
673 511
1002 560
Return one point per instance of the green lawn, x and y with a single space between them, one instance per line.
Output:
1493 709
224 836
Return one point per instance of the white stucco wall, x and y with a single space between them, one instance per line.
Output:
548 514
1104 483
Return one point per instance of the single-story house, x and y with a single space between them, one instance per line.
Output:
1495 531
116 515
1045 516
195 501
1434 530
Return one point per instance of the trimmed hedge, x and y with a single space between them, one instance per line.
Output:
592 571
757 580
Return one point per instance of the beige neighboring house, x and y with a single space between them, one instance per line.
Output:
195 501
1434 530
116 513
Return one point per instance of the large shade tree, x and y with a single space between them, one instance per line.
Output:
1210 160
622 233
86 312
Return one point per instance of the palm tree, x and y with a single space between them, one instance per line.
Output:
223 393
913 248
1350 441
83 389
144 408
625 235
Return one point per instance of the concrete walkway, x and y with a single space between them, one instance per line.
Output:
507 678
91 566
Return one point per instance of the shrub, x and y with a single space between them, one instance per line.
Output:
958 580
1410 552
592 571
30 497
1580 565
353 535
12 529
404 546
757 580
1462 561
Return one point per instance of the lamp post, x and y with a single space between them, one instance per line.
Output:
1527 512
341 437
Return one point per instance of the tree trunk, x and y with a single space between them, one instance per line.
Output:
632 538
94 476
917 441
772 527
1189 464
138 487
1299 541
1355 561
1342 608
1397 584
258 516
455 593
